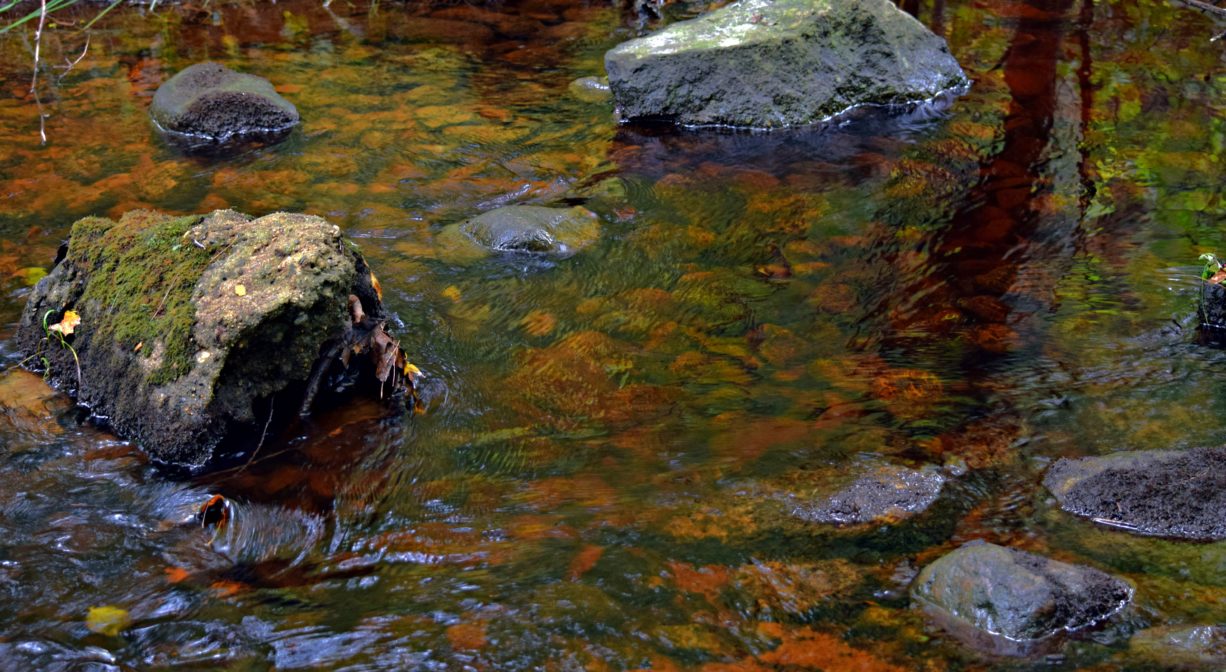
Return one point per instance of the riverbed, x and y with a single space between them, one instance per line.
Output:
614 449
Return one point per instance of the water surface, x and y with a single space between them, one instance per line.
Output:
615 445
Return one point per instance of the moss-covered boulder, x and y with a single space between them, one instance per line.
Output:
1019 596
211 103
187 334
772 63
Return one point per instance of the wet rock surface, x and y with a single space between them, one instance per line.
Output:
1179 494
559 232
193 329
767 64
880 492
1016 595
209 102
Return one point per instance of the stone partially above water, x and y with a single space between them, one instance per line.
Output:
184 334
1168 493
773 63
1020 596
210 102
880 492
559 232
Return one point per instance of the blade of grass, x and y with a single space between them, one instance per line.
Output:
51 7
113 5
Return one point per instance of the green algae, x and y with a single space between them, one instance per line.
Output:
142 274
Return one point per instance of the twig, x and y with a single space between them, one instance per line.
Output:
38 43
263 435
1205 7
71 64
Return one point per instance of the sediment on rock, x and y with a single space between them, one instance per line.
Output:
1169 493
209 103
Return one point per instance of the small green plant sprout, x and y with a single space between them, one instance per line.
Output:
1212 272
61 330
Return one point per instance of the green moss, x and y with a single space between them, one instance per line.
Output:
141 277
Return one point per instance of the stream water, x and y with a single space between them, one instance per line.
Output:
605 474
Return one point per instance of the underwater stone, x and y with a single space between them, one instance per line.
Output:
1020 596
773 63
590 89
193 328
1200 647
1168 493
558 232
209 101
881 491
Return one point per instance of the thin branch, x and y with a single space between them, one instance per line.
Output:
71 64
38 43
1205 7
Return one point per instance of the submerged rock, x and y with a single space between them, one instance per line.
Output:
186 334
1168 493
879 492
772 63
1016 595
210 102
591 89
1181 647
559 232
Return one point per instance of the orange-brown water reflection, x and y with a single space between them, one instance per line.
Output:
613 443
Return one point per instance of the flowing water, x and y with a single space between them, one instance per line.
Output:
616 445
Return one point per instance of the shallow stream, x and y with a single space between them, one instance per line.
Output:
615 446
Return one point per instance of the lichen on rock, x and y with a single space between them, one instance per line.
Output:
194 328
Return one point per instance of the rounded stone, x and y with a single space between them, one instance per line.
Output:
208 101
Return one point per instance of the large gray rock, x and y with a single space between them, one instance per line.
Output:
211 102
883 491
772 63
559 232
193 330
1016 595
1169 493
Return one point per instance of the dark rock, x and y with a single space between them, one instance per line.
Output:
557 232
772 63
1212 309
879 492
1019 596
1181 647
208 101
194 329
1166 493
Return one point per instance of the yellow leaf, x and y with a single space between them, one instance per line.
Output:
452 293
68 324
240 290
107 620
411 370
374 282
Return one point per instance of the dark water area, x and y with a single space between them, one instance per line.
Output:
617 447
